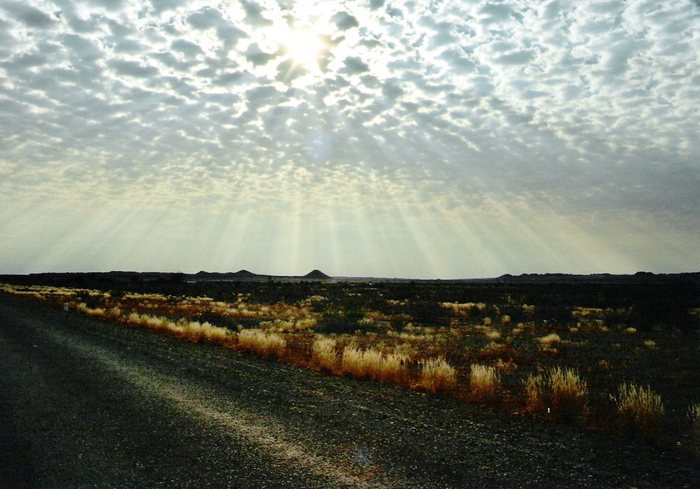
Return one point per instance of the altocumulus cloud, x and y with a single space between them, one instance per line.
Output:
428 139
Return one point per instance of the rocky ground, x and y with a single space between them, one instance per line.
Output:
85 403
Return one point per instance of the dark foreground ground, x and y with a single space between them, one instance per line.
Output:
89 404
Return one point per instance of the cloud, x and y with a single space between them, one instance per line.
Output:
82 48
28 15
496 12
582 112
254 14
132 68
186 48
515 58
26 60
354 65
256 55
109 4
166 5
345 21
206 18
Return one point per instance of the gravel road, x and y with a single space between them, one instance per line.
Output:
85 403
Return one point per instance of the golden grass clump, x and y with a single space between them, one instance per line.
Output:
561 391
323 353
694 416
650 344
458 309
437 375
264 343
493 335
639 408
535 387
91 311
519 328
547 341
568 390
148 321
483 381
373 364
196 331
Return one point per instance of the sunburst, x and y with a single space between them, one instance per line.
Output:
304 47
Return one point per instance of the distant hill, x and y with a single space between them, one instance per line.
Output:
596 278
317 275
120 278
244 273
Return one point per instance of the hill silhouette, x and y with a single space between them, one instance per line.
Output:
317 275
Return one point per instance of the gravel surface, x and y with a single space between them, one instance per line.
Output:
85 403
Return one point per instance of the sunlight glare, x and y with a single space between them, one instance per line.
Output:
303 47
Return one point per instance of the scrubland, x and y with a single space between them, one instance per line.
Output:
628 366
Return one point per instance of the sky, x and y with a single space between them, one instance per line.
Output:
387 138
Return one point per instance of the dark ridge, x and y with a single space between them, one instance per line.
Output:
317 275
244 273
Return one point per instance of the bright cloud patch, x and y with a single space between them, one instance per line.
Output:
391 138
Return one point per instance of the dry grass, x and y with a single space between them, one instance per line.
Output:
283 332
437 375
264 343
483 381
373 364
561 391
150 322
546 342
195 331
568 391
323 353
694 416
535 386
189 330
639 408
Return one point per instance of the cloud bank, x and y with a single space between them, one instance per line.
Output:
447 139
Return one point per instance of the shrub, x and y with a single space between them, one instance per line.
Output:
483 381
437 374
323 353
639 407
262 342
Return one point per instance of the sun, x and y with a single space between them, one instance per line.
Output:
304 47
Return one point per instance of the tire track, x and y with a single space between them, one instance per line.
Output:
217 412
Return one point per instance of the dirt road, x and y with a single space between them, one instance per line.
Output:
89 404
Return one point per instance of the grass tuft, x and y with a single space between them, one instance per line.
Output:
372 364
437 375
483 381
561 391
694 417
639 408
265 343
323 353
